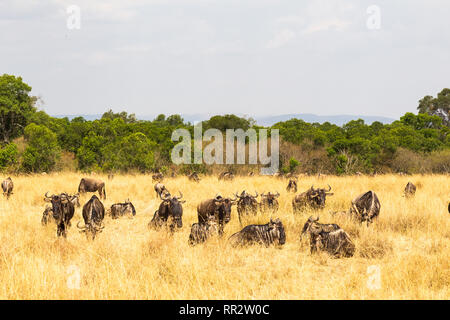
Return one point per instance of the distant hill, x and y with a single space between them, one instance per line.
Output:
260 120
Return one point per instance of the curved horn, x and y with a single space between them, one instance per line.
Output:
329 188
78 226
256 194
181 195
312 187
47 195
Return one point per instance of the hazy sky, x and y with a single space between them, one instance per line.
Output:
256 57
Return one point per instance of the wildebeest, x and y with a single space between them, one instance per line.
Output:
218 207
292 185
246 204
92 185
366 207
7 186
160 189
158 176
120 209
269 202
266 234
410 190
227 175
63 210
194 177
202 232
328 237
170 208
93 215
313 198
47 215
75 199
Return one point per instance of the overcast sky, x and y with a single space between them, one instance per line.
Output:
255 57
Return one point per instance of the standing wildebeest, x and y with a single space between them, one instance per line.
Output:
246 204
160 189
218 207
158 176
63 210
292 186
328 237
120 209
227 175
194 177
7 186
92 185
201 232
366 207
266 234
314 198
170 207
93 215
269 202
410 190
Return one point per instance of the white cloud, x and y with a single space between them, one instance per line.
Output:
281 39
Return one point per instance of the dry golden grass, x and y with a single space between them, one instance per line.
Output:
409 243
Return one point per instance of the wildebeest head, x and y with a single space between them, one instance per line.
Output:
292 185
175 208
310 226
57 201
270 198
223 206
277 229
318 196
73 198
246 199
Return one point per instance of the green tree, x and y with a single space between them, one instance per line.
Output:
16 106
42 151
8 155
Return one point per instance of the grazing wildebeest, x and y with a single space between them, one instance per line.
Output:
313 198
120 209
158 176
47 215
227 175
328 237
266 234
7 186
410 190
218 207
366 207
92 185
160 189
269 202
93 215
194 177
170 208
63 210
246 204
292 186
202 232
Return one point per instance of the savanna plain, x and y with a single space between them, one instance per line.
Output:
404 254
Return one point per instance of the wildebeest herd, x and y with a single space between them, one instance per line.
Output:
213 214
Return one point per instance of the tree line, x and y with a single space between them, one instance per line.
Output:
32 141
